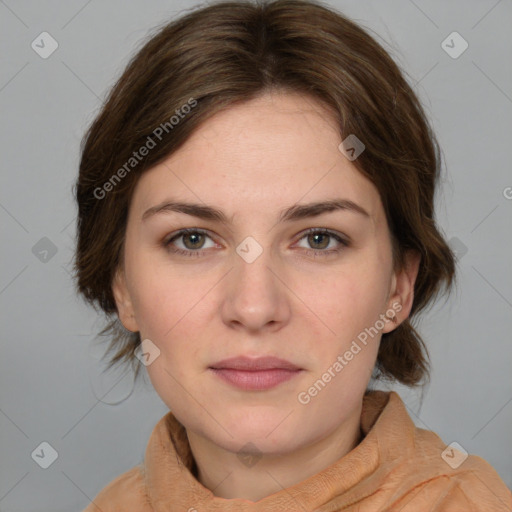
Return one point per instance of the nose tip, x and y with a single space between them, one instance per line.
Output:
254 298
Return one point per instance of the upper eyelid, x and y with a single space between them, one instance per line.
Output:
184 231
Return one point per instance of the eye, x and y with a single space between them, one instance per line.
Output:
323 241
189 242
196 242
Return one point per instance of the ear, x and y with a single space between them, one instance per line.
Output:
125 310
401 294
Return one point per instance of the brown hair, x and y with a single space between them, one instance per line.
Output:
231 52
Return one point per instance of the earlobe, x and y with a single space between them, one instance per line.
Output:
123 300
402 291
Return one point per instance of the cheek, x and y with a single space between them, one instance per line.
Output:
346 300
173 310
161 297
166 309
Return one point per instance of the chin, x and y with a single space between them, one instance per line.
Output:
264 430
243 441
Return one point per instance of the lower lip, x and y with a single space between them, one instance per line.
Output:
255 380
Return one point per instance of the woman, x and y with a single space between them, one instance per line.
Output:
256 210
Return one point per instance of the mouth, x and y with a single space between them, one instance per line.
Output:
255 374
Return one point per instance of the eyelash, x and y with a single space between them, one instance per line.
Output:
315 252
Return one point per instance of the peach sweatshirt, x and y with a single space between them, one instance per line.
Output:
396 467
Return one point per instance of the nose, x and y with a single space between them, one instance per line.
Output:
255 296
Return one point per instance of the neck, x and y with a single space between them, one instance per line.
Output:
258 475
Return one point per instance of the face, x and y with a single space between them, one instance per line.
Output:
287 254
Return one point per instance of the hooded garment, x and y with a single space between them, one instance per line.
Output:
396 467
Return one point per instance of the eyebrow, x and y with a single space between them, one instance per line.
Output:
296 212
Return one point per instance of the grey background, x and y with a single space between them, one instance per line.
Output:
51 383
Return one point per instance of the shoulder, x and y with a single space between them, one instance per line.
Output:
477 488
125 493
423 473
455 479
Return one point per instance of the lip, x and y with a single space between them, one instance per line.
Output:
255 374
254 364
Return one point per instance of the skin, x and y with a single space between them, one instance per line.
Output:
295 301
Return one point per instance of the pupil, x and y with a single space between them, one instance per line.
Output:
313 239
195 239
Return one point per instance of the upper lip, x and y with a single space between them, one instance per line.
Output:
254 364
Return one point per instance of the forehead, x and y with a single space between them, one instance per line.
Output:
267 153
277 127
